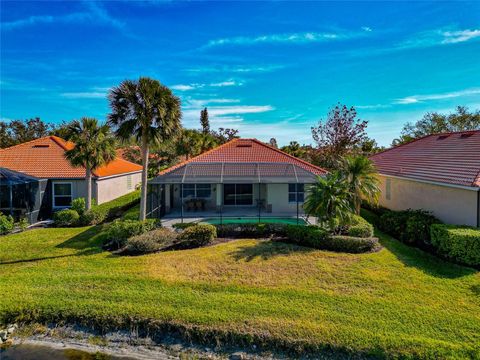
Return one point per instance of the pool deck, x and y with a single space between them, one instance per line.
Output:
175 216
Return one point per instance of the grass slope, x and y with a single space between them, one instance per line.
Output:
397 302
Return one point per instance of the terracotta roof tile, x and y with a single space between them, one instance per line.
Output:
44 158
451 158
247 151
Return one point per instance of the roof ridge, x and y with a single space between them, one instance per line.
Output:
187 161
286 154
25 143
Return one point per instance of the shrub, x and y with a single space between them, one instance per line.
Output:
350 244
360 227
6 224
258 230
66 218
120 230
78 205
311 236
370 216
417 228
409 226
182 226
459 243
22 224
151 241
109 210
197 235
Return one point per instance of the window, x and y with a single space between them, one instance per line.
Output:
238 194
129 182
296 192
62 195
388 185
202 191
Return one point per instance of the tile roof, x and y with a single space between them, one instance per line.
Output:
451 158
45 158
247 151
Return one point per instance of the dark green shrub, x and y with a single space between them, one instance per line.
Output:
151 241
359 227
196 236
458 243
65 218
311 236
253 230
370 216
93 216
417 228
78 205
394 223
182 226
350 244
22 224
120 230
6 224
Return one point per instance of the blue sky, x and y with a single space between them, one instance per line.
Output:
270 69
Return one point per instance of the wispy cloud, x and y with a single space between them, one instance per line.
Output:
288 38
199 103
439 37
195 86
372 107
94 13
85 95
236 69
448 95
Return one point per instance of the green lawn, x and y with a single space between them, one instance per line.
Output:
396 302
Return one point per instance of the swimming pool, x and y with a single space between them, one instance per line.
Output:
274 220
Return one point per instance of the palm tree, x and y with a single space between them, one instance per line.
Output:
150 112
361 177
329 201
94 147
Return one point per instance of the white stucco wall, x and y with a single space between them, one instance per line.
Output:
113 187
79 188
449 204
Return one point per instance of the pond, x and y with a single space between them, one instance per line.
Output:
40 352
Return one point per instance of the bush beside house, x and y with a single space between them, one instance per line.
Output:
458 243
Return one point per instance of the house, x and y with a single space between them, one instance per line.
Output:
242 178
439 173
36 179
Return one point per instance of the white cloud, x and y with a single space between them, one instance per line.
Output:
420 98
367 28
183 87
236 69
225 83
452 37
288 38
198 103
439 37
84 95
94 13
376 106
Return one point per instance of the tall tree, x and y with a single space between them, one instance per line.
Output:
361 176
433 123
189 143
20 131
204 121
339 134
224 135
149 111
273 142
94 147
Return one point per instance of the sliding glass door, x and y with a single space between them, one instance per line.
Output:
238 194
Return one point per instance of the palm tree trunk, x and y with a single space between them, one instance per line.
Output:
143 194
88 204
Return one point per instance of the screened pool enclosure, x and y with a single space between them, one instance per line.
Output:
21 195
226 189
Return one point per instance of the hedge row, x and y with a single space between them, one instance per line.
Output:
78 216
458 243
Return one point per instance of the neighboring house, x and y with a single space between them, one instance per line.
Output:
36 179
244 177
439 173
